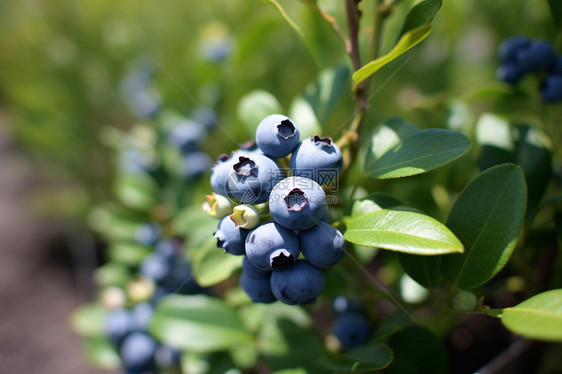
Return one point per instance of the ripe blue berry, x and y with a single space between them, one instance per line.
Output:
277 136
186 135
168 247
147 234
252 178
118 324
318 159
322 245
195 164
167 357
155 267
551 89
258 288
509 72
137 352
297 203
250 270
351 329
537 56
220 173
141 315
230 237
272 246
509 47
300 285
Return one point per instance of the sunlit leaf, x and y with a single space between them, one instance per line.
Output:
420 15
539 317
402 231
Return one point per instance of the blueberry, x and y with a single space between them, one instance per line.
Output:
557 66
138 351
141 315
297 203
155 267
187 135
277 136
300 285
168 247
351 329
322 245
537 56
551 89
509 72
195 164
318 159
221 171
509 47
258 288
250 270
230 237
118 324
147 234
272 246
252 177
343 304
167 356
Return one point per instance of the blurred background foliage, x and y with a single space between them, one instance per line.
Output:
62 64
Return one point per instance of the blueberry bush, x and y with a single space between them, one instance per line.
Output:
334 232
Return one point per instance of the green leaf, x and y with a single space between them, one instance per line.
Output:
198 323
422 151
407 41
137 191
366 358
387 135
101 353
372 203
88 320
424 270
402 231
112 274
420 15
211 265
487 217
539 317
417 351
328 89
284 14
255 106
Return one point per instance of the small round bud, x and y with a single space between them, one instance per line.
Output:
217 206
245 216
464 301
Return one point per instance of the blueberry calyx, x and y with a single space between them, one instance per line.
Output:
244 166
223 157
281 259
295 200
327 140
286 129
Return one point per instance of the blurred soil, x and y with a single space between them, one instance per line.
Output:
41 280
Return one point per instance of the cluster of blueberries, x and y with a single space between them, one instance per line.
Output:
350 327
520 55
272 218
165 271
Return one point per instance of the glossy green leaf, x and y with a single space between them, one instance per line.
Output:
539 317
255 106
402 231
423 269
417 351
423 151
407 41
420 15
284 14
487 217
372 203
211 265
367 358
88 320
101 353
198 323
